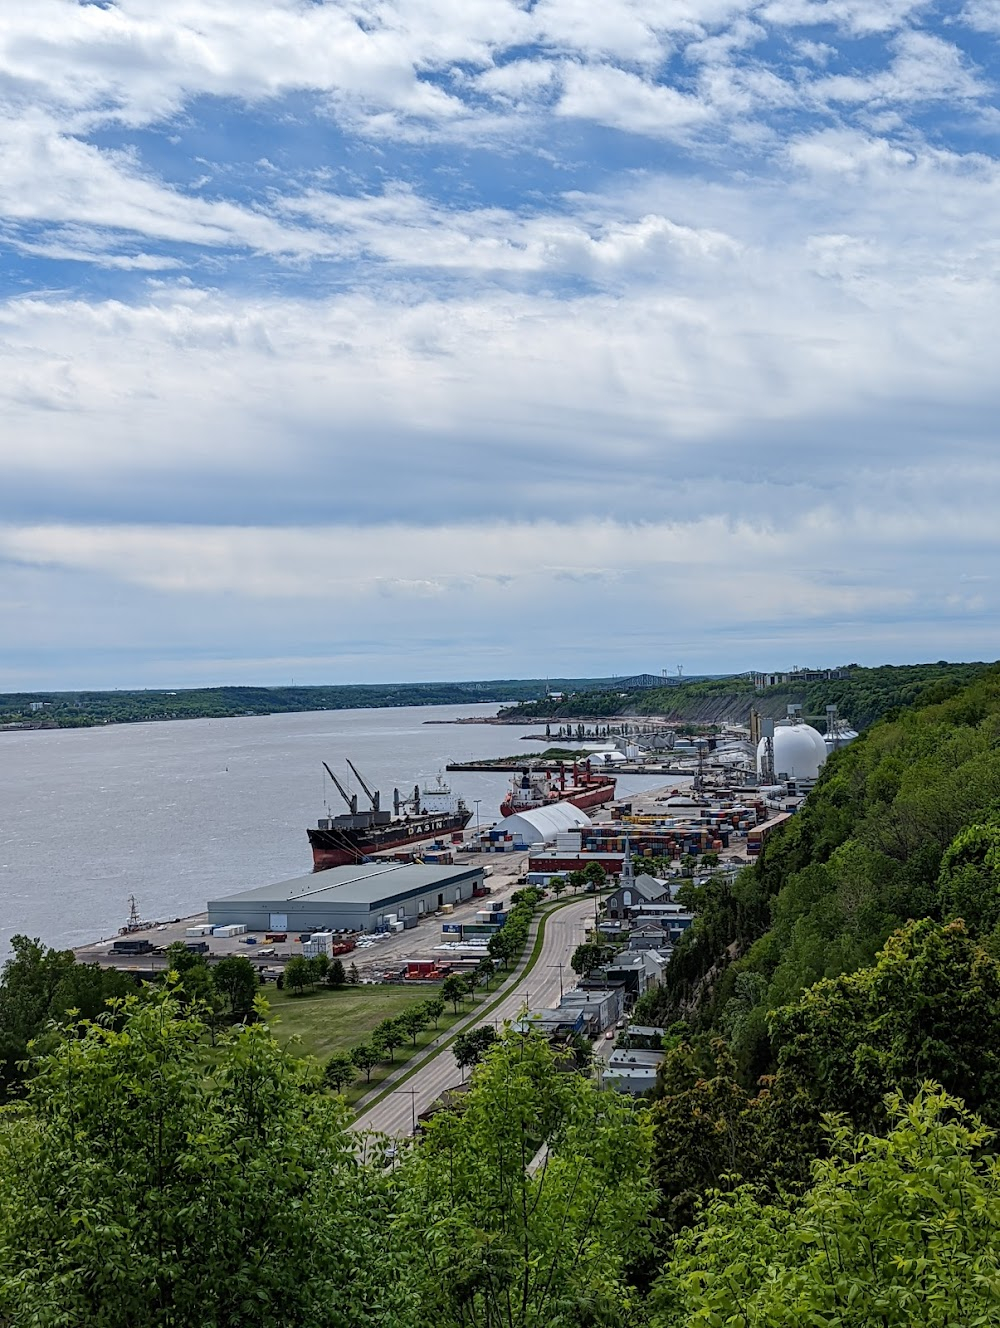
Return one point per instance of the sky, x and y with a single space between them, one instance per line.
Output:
378 340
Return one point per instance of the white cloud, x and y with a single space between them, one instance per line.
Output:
924 68
623 100
857 17
982 14
462 305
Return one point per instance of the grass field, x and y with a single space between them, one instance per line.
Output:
329 1020
336 1019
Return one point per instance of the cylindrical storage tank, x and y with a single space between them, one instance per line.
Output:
799 751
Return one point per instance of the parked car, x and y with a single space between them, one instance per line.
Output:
610 1033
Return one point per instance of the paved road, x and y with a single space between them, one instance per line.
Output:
564 931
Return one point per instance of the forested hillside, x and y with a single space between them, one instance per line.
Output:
857 958
861 698
83 709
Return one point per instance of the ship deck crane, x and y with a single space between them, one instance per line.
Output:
350 799
373 798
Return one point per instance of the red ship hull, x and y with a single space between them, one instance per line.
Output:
590 795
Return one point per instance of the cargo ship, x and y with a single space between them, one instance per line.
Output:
538 788
359 833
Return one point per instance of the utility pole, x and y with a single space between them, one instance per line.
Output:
560 968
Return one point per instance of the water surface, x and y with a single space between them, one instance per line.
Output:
182 811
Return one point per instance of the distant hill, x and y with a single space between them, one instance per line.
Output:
861 698
86 708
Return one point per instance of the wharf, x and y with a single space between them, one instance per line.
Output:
514 763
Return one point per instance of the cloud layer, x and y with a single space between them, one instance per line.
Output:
559 335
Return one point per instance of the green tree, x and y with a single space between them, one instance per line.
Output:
929 1008
335 976
319 967
366 1056
353 976
469 1048
895 1231
484 972
453 989
500 947
388 1035
710 1133
298 974
590 955
340 1071
195 985
236 979
413 1022
181 959
28 983
87 989
191 1184
463 1052
577 880
969 880
487 1239
558 884
435 1008
595 875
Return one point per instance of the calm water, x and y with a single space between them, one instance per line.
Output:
179 812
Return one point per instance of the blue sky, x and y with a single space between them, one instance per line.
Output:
463 338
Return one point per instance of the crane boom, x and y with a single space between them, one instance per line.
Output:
352 802
373 798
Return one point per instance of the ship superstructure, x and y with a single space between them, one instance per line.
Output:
537 788
359 833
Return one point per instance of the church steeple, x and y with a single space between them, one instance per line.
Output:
627 876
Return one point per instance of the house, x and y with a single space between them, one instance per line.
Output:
632 1071
670 921
634 892
639 970
643 1037
600 1006
560 1024
649 934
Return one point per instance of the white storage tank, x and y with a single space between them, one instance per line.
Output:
799 751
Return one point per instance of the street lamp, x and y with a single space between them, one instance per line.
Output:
476 802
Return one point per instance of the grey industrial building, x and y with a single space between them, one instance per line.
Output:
358 898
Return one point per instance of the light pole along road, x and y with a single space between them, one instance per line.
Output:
565 929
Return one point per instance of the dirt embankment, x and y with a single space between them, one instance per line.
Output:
729 708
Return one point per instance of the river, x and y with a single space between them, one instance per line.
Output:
178 812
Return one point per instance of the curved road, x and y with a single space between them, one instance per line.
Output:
564 931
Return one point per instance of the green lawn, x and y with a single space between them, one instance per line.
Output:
329 1020
337 1019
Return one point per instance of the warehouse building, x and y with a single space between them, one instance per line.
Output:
359 898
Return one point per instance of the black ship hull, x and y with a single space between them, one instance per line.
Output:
336 845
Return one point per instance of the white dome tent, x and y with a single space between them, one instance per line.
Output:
542 823
799 752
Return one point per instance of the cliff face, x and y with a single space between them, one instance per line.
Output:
726 707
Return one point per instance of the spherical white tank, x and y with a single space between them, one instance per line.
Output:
799 751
